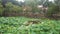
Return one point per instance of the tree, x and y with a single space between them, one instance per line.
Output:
11 8
53 9
33 4
1 9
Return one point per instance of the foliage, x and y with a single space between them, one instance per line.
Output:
53 9
14 25
1 9
13 8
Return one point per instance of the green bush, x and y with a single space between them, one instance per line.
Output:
52 10
14 25
13 8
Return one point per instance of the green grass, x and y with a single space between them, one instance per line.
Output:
14 25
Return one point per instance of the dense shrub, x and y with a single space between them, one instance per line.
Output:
14 25
52 10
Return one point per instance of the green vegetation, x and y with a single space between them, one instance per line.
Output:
14 25
34 9
29 7
1 9
12 8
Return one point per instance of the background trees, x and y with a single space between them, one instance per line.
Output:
11 9
30 6
1 9
53 9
